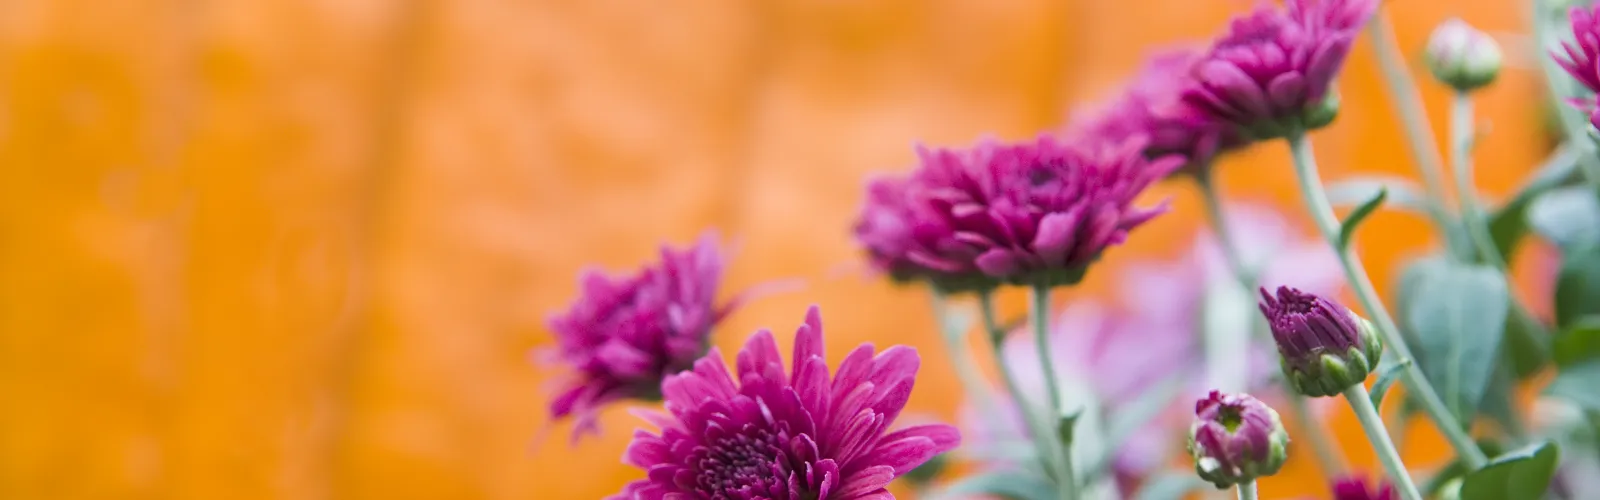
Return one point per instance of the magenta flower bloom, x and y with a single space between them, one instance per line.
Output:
903 239
794 436
1582 54
1272 73
1151 106
624 334
1355 488
1036 212
1235 439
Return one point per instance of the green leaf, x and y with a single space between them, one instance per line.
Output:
1005 484
1578 286
1386 377
1457 314
1527 348
1172 486
1568 217
1577 384
1360 213
1509 224
1578 343
1358 190
1523 473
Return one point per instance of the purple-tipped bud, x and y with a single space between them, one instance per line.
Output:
1271 74
1323 347
1461 56
1235 439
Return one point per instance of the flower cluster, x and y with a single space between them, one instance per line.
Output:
1035 212
625 333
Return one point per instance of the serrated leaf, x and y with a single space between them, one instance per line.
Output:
1523 473
1577 383
1004 484
1568 217
1386 378
1457 315
1347 230
1171 486
1578 343
1354 191
1508 224
1578 286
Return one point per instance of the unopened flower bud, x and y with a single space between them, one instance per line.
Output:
1235 439
1323 347
1461 56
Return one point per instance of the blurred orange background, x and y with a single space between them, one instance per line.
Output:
301 248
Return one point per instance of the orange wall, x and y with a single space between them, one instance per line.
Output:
300 248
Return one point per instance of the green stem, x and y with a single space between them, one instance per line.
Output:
1328 224
1247 490
1329 459
961 355
1039 312
1372 423
1030 413
1461 131
1413 117
1561 87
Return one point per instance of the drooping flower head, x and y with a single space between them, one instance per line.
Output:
1324 348
801 435
625 333
1036 212
1272 73
1151 105
1355 488
1461 56
1235 439
909 243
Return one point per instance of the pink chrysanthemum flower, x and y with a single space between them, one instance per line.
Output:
1272 73
1036 212
909 243
771 435
1581 57
1151 105
1355 488
624 334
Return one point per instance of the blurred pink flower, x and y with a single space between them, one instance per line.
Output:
624 334
1151 105
1153 334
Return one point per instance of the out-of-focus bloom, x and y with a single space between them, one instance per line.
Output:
1581 58
1235 439
1036 212
1116 352
1150 105
784 436
1323 346
624 334
1355 488
1461 56
909 243
1272 73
